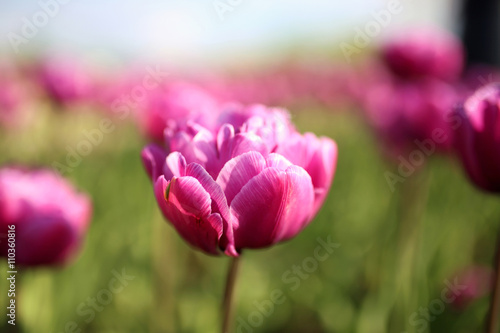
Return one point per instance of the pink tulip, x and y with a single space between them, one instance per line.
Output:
50 218
65 81
239 188
478 137
425 53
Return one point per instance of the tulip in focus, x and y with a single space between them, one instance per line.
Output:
251 183
49 216
478 137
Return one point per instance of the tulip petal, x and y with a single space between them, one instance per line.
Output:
321 168
197 145
298 201
277 161
465 143
487 144
224 139
187 206
238 171
187 194
246 142
219 204
257 208
175 165
298 149
153 158
273 206
318 156
43 239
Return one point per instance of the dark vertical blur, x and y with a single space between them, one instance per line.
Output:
482 31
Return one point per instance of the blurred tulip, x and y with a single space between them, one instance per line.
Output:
50 218
174 104
405 114
425 53
476 282
11 99
408 97
65 81
478 137
238 188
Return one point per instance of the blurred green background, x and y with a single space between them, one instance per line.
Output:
396 250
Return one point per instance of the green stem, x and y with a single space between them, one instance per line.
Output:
228 307
414 196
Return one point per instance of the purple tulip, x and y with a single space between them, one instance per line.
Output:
409 96
50 218
253 183
425 53
478 137
404 113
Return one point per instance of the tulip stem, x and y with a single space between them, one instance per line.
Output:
227 306
495 298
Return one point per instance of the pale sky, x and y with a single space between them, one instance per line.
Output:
192 31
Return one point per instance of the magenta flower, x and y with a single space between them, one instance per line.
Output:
252 184
50 218
65 81
425 53
478 137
